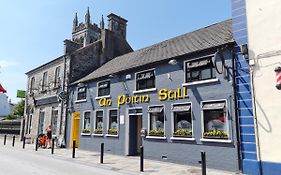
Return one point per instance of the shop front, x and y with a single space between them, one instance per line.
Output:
175 107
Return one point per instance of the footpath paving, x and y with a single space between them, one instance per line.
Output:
121 164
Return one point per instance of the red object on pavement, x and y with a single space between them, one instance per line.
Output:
278 77
2 89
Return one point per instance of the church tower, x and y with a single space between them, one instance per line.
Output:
85 33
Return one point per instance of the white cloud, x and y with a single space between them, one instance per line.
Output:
5 63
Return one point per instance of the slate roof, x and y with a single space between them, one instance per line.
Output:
201 39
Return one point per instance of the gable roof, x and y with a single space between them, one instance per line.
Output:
201 39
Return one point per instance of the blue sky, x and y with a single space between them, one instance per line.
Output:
32 31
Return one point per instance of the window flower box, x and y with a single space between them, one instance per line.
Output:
215 134
86 131
98 131
112 131
156 132
183 133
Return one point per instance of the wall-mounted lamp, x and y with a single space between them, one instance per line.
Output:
244 50
128 77
173 62
111 75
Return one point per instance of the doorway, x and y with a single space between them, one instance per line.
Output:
41 122
135 140
75 128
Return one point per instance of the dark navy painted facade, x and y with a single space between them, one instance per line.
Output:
250 163
220 155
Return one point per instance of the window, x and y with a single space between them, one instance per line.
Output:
182 120
198 70
41 121
29 124
57 77
32 85
156 121
54 120
98 122
103 88
113 122
145 80
86 123
81 94
215 121
44 81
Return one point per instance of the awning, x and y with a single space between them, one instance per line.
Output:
210 106
157 109
2 89
181 108
198 63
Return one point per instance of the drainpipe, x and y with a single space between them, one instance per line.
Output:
236 111
255 118
63 88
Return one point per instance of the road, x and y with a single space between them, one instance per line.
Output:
16 162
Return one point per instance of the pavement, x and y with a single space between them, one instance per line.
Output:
119 164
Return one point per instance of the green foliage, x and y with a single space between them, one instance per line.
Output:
182 133
113 131
86 130
156 132
98 131
11 117
215 133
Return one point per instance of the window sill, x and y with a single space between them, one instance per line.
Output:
155 137
145 90
110 135
201 82
80 101
216 140
98 135
85 134
183 138
106 96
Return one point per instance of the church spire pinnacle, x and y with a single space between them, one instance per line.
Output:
88 17
102 23
75 21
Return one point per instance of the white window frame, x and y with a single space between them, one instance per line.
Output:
200 81
84 121
148 128
228 122
173 119
95 121
82 100
104 96
145 90
54 109
107 126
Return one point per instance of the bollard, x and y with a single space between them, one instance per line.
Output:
13 143
203 162
23 143
141 158
101 152
53 146
5 138
36 144
73 148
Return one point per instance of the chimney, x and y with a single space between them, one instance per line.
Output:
117 24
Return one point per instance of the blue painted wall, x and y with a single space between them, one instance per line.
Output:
250 164
219 155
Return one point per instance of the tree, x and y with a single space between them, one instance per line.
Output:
17 112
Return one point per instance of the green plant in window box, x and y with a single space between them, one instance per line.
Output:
86 131
113 131
98 131
213 134
156 132
182 133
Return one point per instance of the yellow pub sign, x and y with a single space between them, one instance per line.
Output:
163 95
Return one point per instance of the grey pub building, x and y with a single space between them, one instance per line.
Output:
179 92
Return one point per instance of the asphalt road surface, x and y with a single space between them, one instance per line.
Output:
16 162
